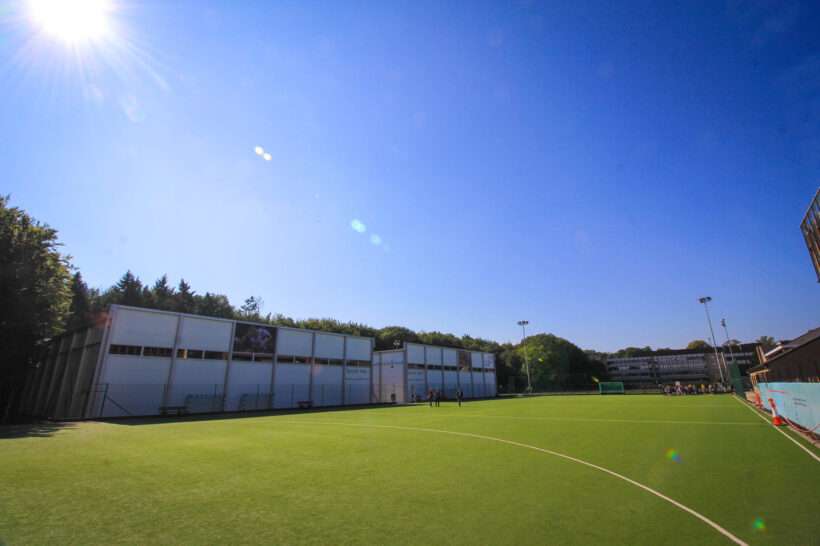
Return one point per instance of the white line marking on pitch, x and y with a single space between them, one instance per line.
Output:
646 488
798 444
602 420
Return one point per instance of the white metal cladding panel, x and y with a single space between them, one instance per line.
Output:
392 381
450 379
327 385
327 375
489 378
144 328
292 374
415 353
392 357
434 378
197 372
247 378
450 357
198 377
205 335
476 360
135 385
357 374
433 355
359 348
464 377
489 360
416 383
292 342
135 370
329 346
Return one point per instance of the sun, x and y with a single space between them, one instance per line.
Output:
71 21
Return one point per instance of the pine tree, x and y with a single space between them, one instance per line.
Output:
128 290
163 294
80 308
184 298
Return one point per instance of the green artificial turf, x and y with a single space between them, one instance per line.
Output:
344 477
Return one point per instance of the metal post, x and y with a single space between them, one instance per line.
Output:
166 395
728 344
227 377
310 364
705 301
99 369
523 325
274 365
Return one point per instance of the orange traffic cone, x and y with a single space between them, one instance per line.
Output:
776 419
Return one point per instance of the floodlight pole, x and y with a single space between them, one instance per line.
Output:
523 325
705 301
728 344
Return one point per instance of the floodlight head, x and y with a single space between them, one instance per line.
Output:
523 322
723 322
705 299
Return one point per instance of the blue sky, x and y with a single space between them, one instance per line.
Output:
590 167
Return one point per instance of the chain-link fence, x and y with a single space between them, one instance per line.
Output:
123 400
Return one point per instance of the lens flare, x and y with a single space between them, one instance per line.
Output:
267 156
358 226
375 239
259 150
673 455
759 524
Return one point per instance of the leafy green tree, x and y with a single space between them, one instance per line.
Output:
387 335
35 296
251 309
767 342
698 345
214 305
556 363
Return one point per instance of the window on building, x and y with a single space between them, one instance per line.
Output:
194 354
215 355
245 357
157 351
262 357
132 350
301 359
284 359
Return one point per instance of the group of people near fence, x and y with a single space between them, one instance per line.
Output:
434 397
681 390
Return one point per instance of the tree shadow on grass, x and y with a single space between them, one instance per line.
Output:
157 420
37 429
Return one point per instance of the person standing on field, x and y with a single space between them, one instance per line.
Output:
437 395
459 396
430 397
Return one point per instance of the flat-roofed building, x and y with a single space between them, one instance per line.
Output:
409 373
693 366
146 362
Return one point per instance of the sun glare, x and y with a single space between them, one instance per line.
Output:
71 21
